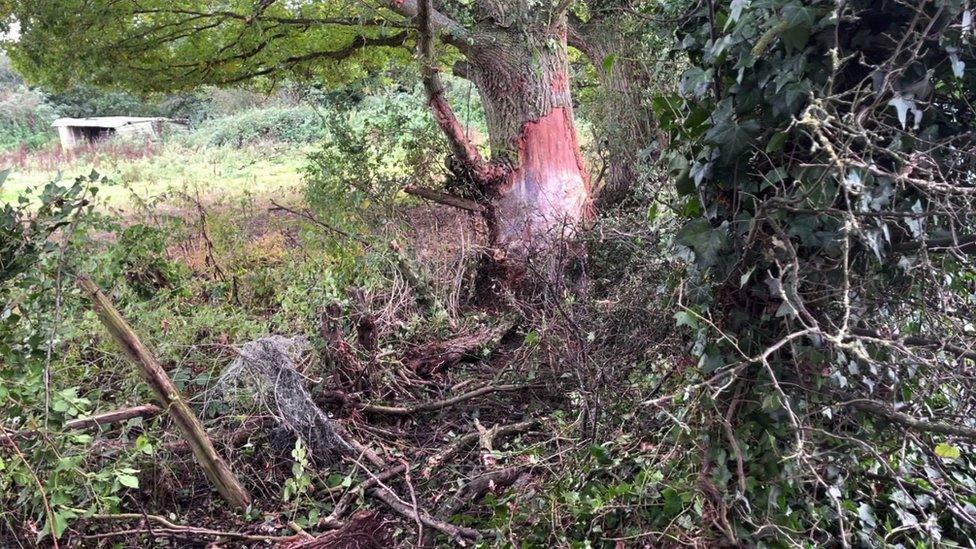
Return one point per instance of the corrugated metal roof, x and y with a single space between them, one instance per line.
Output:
106 121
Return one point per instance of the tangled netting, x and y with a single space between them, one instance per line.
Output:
264 374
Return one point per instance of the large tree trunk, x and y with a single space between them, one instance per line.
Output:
534 188
543 195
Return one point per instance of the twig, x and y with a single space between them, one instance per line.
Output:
308 216
457 533
471 438
439 404
885 411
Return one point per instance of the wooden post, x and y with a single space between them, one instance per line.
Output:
153 373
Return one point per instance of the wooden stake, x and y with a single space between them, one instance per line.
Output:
153 373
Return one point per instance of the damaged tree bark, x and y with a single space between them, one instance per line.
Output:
535 189
153 373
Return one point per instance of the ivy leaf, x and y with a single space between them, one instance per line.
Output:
3 175
947 451
608 62
707 242
735 11
958 65
903 106
866 514
795 38
732 136
684 318
776 142
694 82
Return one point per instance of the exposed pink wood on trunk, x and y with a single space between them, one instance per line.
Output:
546 198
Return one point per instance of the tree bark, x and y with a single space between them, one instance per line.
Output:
535 188
543 196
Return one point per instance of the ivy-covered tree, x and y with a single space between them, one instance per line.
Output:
826 167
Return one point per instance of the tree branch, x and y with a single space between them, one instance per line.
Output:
352 48
146 410
456 35
962 244
444 198
918 341
439 404
461 147
885 411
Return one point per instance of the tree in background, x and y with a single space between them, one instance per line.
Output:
534 186
628 50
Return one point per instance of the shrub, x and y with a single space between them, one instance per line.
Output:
24 119
823 153
300 124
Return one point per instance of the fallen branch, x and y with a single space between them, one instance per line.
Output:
471 438
478 487
439 404
172 529
437 356
885 411
304 214
364 530
333 520
345 365
456 533
144 411
445 199
152 372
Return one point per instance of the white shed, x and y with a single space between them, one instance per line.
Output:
80 131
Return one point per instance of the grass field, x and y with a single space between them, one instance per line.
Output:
256 169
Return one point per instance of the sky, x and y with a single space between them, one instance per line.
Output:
13 34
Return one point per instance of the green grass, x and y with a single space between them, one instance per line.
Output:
211 171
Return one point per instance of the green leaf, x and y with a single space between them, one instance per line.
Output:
143 445
601 454
707 242
795 38
608 62
130 481
947 451
60 523
3 175
776 142
684 318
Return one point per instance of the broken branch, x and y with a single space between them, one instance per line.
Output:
168 395
170 528
144 411
885 411
439 404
